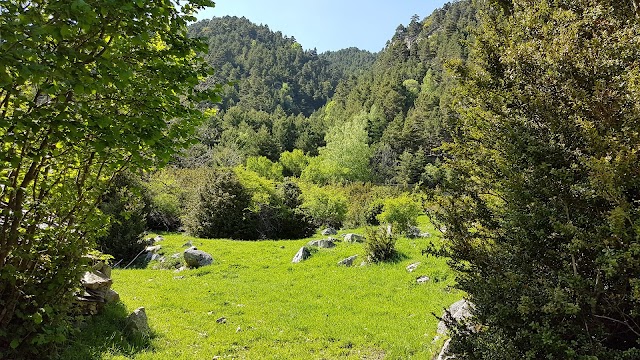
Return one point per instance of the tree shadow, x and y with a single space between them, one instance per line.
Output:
105 333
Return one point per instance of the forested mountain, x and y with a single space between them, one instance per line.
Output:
350 61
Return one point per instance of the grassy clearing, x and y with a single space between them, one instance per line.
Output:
275 309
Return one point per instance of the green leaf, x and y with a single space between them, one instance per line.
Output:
14 344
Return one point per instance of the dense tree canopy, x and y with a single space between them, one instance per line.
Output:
542 195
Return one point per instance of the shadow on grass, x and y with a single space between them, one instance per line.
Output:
105 333
397 257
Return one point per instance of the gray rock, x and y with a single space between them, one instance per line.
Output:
95 280
111 296
323 244
413 232
153 249
425 235
443 353
422 279
222 320
348 261
412 267
137 323
329 231
196 258
353 238
188 244
158 238
458 311
301 255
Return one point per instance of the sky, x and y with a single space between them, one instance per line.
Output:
329 24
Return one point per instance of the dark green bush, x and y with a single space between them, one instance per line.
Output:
127 206
221 208
379 245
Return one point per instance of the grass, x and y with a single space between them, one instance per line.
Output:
275 309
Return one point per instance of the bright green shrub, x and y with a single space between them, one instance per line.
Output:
265 167
400 212
167 198
294 162
326 206
379 245
127 206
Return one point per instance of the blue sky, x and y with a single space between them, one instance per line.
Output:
330 24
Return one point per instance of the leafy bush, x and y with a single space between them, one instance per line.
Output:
326 206
127 206
379 245
167 196
220 208
400 212
294 162
372 212
264 167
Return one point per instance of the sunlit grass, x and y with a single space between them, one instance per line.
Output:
278 310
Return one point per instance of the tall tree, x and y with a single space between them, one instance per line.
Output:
542 201
87 89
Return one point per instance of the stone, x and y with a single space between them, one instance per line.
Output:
196 258
348 261
422 279
443 353
413 232
222 320
412 267
329 231
137 323
353 238
111 296
458 311
188 244
302 255
158 238
323 244
425 235
153 249
95 281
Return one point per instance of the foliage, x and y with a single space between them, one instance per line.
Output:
127 207
326 206
400 212
167 196
294 162
379 245
86 90
221 207
541 200
265 167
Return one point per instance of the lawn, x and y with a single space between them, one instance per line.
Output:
274 309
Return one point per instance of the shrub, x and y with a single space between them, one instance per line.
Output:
400 212
294 162
127 206
379 245
372 212
167 196
326 206
264 167
220 208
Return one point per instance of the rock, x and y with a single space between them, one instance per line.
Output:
222 320
196 258
353 238
301 255
458 311
180 269
413 232
153 249
176 256
348 261
422 279
188 244
443 353
95 281
425 235
412 267
329 231
137 323
111 296
323 244
158 238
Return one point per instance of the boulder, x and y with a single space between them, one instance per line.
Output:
158 239
111 296
348 261
458 311
422 279
196 258
153 249
95 280
137 323
301 255
412 267
444 352
329 231
413 232
353 238
323 244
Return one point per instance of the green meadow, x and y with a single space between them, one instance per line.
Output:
253 303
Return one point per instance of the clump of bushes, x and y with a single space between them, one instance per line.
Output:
379 245
401 213
326 206
127 206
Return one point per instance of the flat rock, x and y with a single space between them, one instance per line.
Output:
302 255
153 249
348 261
323 244
197 258
95 280
111 296
458 311
422 279
329 231
353 238
412 267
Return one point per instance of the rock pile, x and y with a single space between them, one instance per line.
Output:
96 290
